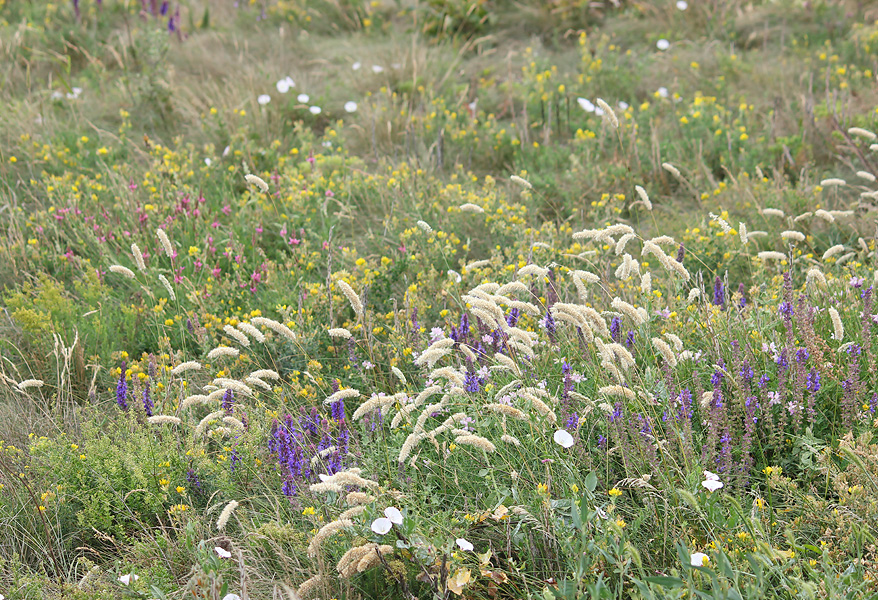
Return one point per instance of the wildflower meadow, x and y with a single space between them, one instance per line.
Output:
437 299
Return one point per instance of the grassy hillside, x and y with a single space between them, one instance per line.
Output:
438 299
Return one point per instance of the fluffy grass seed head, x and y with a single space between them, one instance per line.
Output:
866 175
837 249
771 255
327 530
252 332
352 297
617 390
609 114
796 236
30 383
222 351
124 271
510 439
837 325
472 208
340 332
399 374
236 335
523 183
672 170
279 328
773 212
833 181
168 287
425 227
165 241
257 181
477 441
309 587
163 419
192 365
138 258
644 197
863 133
742 232
223 519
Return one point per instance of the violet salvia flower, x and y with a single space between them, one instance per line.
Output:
228 402
472 382
122 389
802 355
615 328
147 400
746 372
719 296
813 384
629 340
743 302
338 410
681 253
512 317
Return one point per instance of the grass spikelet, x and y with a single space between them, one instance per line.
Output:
534 270
646 284
722 223
815 274
257 181
202 425
425 227
431 356
193 400
265 374
609 114
191 365
342 395
523 183
223 519
309 587
507 363
165 242
279 328
623 241
252 332
510 439
410 442
347 564
771 255
644 198
340 332
863 133
352 297
471 208
326 531
222 351
163 419
476 441
665 350
628 310
672 170
138 258
678 343
796 236
30 383
837 249
476 264
694 294
833 181
506 410
837 325
617 390
399 375
354 511
450 374
236 335
742 233
124 271
355 498
233 423
773 212
168 287
803 217
866 175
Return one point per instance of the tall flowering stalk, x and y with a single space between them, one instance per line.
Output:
122 389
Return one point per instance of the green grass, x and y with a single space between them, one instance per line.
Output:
757 367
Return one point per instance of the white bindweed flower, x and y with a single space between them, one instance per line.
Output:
263 99
392 513
563 438
222 552
585 104
315 110
356 66
464 545
712 485
682 5
699 559
663 44
382 525
662 91
231 597
283 85
709 475
303 98
377 69
128 578
350 106
207 161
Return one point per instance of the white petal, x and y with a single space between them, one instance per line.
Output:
392 513
356 66
350 106
663 44
709 475
663 92
563 438
231 597
464 544
222 552
697 559
585 104
682 5
263 99
381 525
282 86
315 110
377 69
712 484
303 98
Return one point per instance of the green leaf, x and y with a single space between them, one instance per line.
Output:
591 481
665 581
